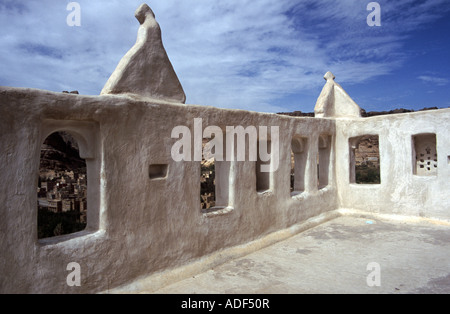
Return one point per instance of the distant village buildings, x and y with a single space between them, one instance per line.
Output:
65 192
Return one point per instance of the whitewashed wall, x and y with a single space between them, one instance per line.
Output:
401 191
137 225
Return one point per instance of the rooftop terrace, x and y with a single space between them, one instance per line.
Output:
333 256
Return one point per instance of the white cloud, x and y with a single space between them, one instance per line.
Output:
233 54
434 80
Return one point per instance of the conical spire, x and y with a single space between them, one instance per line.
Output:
145 70
333 101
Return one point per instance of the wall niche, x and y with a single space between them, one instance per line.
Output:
424 154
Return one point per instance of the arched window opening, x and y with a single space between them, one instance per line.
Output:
323 160
62 187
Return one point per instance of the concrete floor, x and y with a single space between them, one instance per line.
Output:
413 257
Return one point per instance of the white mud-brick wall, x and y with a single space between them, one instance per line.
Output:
144 212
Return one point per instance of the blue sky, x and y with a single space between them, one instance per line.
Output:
256 55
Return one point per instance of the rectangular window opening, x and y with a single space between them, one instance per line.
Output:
365 159
214 180
323 161
262 169
207 185
298 165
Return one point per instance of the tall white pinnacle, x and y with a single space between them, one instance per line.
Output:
145 70
333 101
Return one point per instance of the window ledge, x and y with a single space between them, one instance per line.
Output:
265 192
366 185
217 211
298 194
71 238
325 188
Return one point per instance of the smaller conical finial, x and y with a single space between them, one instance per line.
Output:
329 76
142 11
